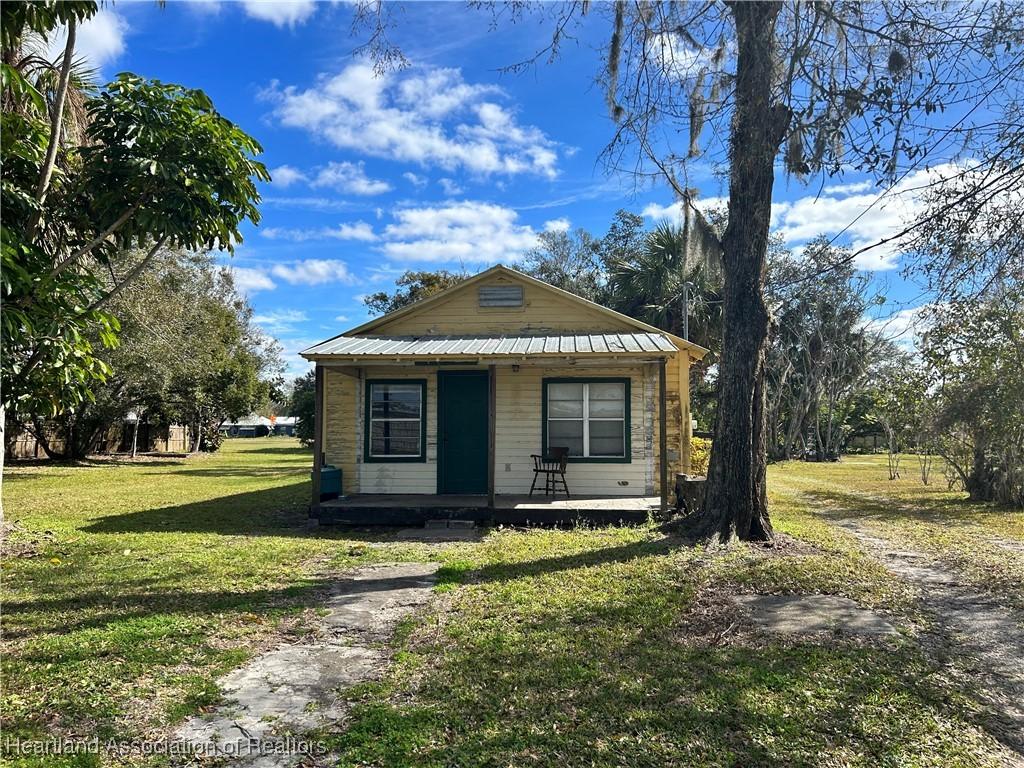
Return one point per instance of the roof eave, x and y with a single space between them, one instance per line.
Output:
329 357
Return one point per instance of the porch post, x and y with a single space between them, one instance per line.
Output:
492 412
663 436
318 441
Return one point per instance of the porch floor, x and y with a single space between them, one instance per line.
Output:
412 509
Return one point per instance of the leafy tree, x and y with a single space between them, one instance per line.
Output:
570 261
650 285
412 287
975 348
188 353
818 352
899 393
148 165
821 87
302 405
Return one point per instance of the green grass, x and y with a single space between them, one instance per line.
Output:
613 647
137 585
128 587
983 542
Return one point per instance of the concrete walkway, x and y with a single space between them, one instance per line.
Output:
971 632
281 695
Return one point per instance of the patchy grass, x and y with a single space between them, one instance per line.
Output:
130 588
984 542
616 647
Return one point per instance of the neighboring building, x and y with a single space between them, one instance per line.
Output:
252 425
285 425
452 395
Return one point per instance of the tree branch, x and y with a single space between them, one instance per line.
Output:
86 249
132 274
56 122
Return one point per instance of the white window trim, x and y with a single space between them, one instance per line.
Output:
418 421
586 418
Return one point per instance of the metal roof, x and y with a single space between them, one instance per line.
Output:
492 346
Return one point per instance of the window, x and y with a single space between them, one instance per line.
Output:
396 420
588 416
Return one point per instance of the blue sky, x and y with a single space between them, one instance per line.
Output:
450 163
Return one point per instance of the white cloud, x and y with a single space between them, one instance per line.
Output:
415 179
450 187
249 280
466 231
341 319
425 115
99 40
286 175
314 272
350 178
295 365
280 321
903 327
557 225
677 57
674 211
357 231
204 7
856 212
312 203
281 13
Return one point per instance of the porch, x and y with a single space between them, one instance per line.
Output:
416 509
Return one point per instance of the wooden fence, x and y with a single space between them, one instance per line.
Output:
118 439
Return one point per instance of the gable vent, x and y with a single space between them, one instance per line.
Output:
501 296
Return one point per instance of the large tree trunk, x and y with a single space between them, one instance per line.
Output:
735 503
981 480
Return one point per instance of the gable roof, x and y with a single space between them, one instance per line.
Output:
695 350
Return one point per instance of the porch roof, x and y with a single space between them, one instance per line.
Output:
377 347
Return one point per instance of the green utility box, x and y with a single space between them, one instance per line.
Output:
330 482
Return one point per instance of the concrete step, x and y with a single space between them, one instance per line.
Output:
445 523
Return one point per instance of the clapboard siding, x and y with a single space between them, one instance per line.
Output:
543 310
340 444
518 433
398 477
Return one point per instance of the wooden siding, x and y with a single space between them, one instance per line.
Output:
543 310
518 426
397 477
677 375
519 433
341 445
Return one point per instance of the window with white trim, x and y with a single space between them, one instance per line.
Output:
588 417
395 412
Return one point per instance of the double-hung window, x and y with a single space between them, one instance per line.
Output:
590 417
396 420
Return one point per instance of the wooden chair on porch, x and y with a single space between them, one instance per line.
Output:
552 466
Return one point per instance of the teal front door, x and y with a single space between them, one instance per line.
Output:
462 431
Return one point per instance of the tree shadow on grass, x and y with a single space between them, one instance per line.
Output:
849 504
139 600
281 471
542 566
617 685
277 511
281 450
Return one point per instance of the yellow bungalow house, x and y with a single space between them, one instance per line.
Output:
436 410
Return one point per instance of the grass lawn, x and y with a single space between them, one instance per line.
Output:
984 542
129 588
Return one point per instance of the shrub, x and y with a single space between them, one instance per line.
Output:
212 439
700 455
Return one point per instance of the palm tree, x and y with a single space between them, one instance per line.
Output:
651 283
